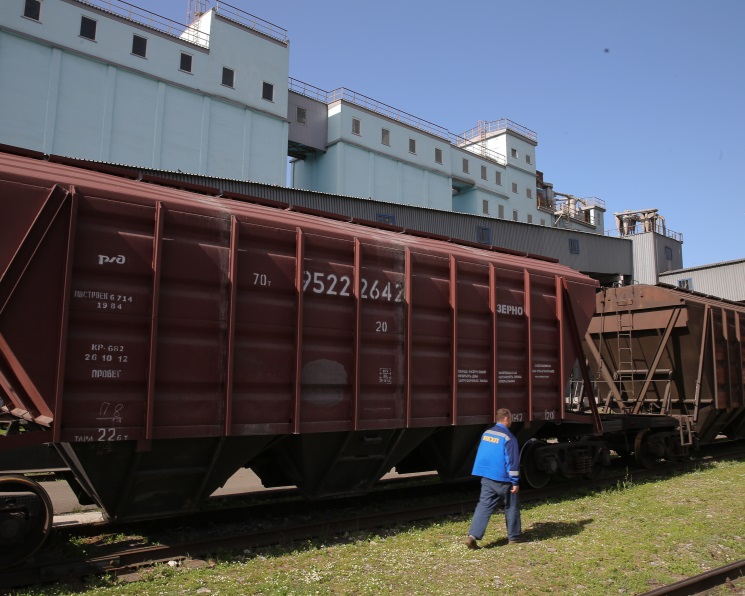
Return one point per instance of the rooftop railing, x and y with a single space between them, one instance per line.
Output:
484 128
379 107
150 19
246 19
639 228
373 105
580 209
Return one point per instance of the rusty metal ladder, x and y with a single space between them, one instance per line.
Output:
625 372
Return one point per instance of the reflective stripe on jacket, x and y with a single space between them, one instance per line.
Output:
498 456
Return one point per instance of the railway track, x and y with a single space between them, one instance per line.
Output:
726 575
122 549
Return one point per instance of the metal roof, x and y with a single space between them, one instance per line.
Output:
700 267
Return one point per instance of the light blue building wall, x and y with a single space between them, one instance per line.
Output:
96 99
379 152
65 93
388 155
357 161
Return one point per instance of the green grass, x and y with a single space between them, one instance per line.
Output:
624 540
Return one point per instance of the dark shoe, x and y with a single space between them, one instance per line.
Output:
471 542
517 540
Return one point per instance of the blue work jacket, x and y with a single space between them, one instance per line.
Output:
498 456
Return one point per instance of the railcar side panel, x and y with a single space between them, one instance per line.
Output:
167 338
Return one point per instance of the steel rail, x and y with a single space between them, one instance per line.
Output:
703 581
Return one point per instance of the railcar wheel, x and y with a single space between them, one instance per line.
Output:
26 516
535 476
642 451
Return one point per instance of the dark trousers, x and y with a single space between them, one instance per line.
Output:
491 493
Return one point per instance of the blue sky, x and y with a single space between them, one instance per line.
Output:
638 102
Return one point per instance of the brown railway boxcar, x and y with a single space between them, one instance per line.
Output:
161 339
667 352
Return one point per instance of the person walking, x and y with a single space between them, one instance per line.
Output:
498 464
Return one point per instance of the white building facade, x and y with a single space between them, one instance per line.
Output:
105 81
108 81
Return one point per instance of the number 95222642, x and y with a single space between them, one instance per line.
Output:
330 284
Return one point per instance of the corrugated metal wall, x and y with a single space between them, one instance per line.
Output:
603 257
725 280
655 254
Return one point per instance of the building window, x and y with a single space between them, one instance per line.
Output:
513 153
267 91
185 63
32 10
385 137
498 178
228 77
686 284
465 166
438 155
668 253
500 211
386 218
301 115
514 187
88 28
515 215
574 246
485 206
483 235
356 126
527 159
530 218
483 172
529 193
139 46
412 145
543 222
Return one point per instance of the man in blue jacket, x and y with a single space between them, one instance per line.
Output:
498 464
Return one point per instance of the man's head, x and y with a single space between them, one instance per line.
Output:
504 417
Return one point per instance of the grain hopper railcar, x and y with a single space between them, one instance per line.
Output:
160 339
664 352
